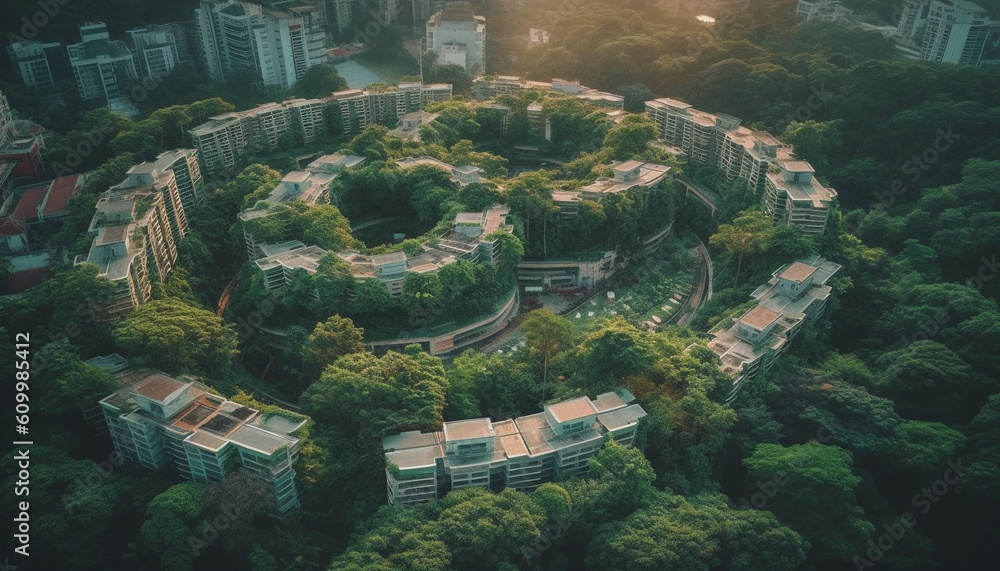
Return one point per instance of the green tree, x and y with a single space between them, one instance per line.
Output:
319 81
332 339
814 493
630 137
924 447
178 337
546 334
171 526
746 235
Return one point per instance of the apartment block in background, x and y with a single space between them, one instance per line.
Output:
281 45
100 66
156 420
362 107
224 138
157 49
458 37
794 297
37 64
522 453
946 31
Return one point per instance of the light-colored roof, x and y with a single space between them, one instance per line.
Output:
259 440
797 166
798 272
158 387
629 165
760 317
620 418
608 401
468 429
572 409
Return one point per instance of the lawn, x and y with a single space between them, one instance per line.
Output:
393 70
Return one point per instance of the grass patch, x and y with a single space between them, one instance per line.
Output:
393 70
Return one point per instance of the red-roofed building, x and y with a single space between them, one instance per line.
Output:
56 203
27 207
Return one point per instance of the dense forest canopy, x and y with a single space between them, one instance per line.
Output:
871 443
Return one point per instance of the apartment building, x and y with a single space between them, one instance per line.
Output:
311 186
156 420
137 228
157 49
794 297
793 197
362 107
488 88
823 10
281 45
223 139
37 64
458 37
790 192
520 453
183 163
946 31
100 65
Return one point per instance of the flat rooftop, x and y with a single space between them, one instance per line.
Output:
760 317
468 429
158 387
574 409
798 272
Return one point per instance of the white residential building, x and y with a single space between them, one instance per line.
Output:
100 65
795 296
281 45
156 420
36 63
946 31
458 37
522 453
361 107
157 49
224 138
823 10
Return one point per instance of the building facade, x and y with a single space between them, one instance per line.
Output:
362 107
490 87
157 49
823 10
224 138
788 188
156 420
281 45
458 37
795 296
37 64
946 31
100 66
137 229
520 453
